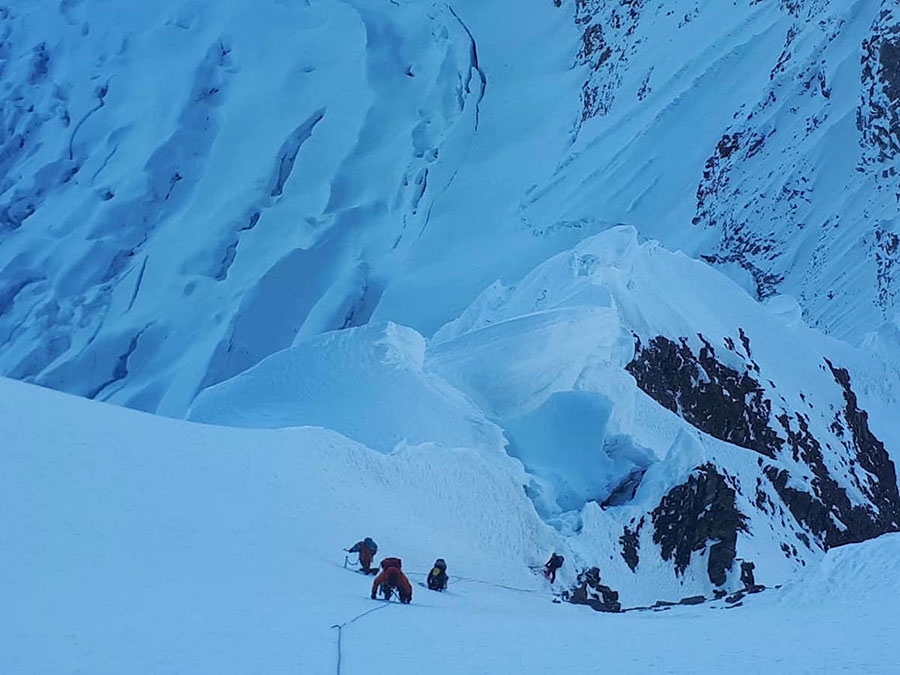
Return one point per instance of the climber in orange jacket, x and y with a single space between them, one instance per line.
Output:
392 578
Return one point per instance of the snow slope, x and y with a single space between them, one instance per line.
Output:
187 188
139 544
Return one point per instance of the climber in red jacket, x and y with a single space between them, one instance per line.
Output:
392 578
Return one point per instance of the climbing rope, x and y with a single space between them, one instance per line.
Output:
496 585
340 629
456 577
453 579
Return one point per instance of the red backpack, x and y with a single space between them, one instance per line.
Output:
392 562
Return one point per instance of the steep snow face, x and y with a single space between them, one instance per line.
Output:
759 135
186 189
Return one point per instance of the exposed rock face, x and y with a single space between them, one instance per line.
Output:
697 514
827 511
880 486
724 403
877 480
607 40
630 543
589 591
879 113
833 506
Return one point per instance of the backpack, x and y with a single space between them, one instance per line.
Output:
368 541
437 580
392 562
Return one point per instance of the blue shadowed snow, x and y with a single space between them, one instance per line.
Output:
562 442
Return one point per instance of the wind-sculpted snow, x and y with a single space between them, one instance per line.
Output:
187 188
367 383
171 173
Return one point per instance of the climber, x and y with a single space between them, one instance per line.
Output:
437 577
367 548
550 567
747 577
392 578
392 562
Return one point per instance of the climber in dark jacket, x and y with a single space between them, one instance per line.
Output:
367 549
437 577
747 576
550 567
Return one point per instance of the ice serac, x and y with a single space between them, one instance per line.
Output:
367 383
726 430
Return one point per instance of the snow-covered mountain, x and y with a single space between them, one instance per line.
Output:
624 268
762 136
187 187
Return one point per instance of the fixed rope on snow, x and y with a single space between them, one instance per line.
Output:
456 577
496 585
340 629
340 626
